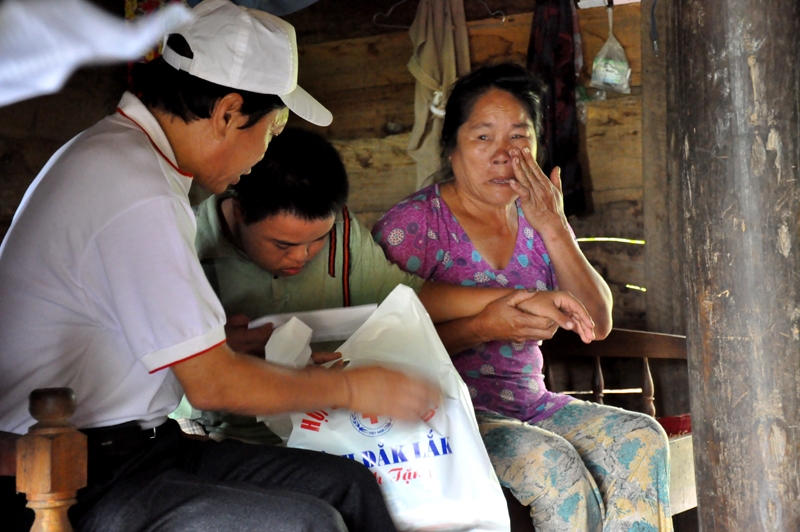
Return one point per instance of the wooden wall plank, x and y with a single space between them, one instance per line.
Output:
613 143
367 113
335 20
602 197
365 82
663 215
489 43
381 172
355 63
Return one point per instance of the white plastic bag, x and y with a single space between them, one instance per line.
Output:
610 69
435 473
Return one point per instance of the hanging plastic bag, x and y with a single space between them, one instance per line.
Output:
610 69
435 473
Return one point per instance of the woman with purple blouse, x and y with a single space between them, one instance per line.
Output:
494 219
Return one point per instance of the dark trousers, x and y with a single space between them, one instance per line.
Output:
172 483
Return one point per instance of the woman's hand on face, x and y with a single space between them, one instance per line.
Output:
563 309
540 198
504 320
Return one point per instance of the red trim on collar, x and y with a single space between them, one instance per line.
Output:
173 165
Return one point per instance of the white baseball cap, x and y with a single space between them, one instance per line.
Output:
245 49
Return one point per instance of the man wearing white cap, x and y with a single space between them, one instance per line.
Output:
102 292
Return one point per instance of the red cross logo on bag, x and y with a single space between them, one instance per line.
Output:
371 425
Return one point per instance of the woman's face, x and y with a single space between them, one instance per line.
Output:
482 164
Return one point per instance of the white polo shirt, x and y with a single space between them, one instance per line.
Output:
100 286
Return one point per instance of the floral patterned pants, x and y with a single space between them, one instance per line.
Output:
586 468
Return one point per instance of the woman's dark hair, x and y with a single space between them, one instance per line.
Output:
509 77
159 85
301 174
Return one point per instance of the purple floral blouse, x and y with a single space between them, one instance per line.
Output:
422 236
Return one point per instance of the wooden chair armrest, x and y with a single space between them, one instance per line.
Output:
620 343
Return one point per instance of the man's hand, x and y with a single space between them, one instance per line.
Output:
244 340
384 391
564 309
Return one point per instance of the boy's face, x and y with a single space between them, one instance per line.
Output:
283 244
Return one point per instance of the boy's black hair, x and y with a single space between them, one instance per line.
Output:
301 174
159 85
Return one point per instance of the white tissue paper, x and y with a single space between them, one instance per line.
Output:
289 344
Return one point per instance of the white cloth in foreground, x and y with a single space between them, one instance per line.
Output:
43 41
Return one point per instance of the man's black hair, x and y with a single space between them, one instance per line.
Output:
159 85
301 174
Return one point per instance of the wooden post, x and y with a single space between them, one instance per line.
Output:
51 459
736 75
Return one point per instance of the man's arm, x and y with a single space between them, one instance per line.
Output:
221 379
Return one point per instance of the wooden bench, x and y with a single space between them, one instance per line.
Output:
623 343
49 462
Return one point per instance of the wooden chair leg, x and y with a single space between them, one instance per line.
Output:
648 394
598 384
51 459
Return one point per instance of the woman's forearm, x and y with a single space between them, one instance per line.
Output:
576 276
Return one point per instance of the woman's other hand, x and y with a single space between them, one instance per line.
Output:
541 199
563 309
